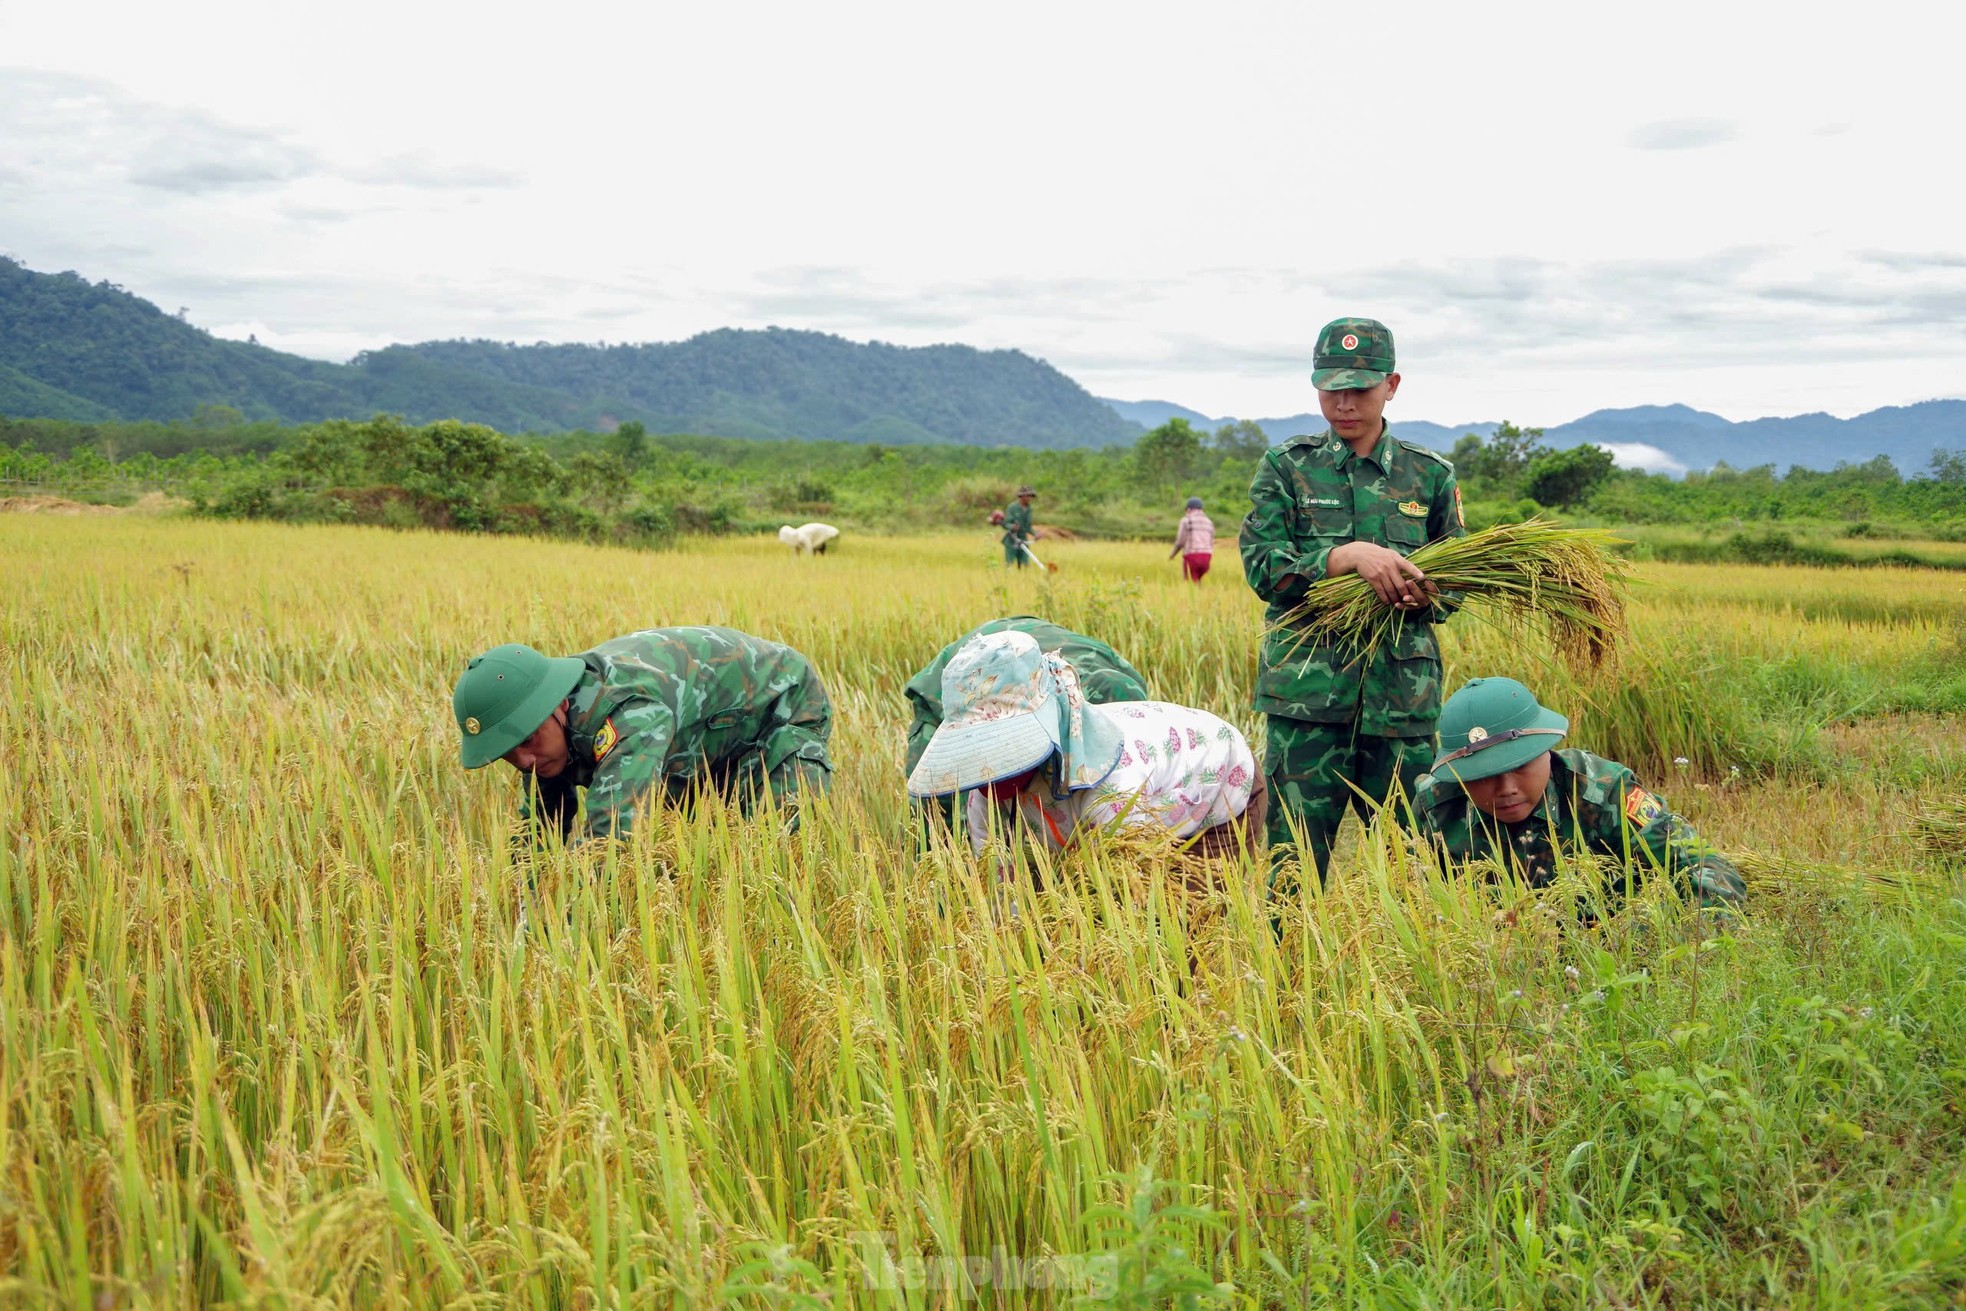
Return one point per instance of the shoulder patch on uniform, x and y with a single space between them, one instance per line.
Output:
1431 454
605 740
1460 515
1641 807
1301 439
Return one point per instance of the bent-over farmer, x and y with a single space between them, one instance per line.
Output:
1021 738
1353 499
1504 790
1103 674
1017 529
677 707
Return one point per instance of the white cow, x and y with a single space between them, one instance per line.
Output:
808 539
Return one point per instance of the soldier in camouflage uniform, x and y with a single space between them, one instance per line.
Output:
680 707
1353 499
1103 677
1503 791
1017 527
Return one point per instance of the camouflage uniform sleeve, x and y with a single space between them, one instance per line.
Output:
638 759
1671 844
1277 571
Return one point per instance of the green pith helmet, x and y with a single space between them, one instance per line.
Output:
505 695
1352 353
1491 726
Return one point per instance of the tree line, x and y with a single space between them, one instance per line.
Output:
632 485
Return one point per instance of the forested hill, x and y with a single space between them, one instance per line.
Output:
780 383
74 349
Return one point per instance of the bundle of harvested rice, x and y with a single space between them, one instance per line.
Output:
1941 828
1778 874
1565 579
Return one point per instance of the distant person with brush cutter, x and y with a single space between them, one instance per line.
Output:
669 708
1017 532
1504 789
1344 721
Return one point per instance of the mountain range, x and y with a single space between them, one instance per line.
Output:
93 352
72 349
1674 438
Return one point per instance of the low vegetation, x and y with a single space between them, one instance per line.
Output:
632 487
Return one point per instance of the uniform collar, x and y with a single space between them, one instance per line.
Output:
1382 453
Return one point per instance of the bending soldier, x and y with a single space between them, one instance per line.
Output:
680 707
1502 790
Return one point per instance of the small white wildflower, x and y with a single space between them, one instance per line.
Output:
1598 995
1865 1012
1681 761
1570 973
1440 1117
1517 994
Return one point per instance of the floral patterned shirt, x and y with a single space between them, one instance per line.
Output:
1181 768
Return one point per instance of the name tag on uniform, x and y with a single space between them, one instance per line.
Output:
1331 501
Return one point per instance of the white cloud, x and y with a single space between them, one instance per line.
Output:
1638 455
1683 134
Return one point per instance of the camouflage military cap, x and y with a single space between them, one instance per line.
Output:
1027 490
505 695
1352 353
1491 726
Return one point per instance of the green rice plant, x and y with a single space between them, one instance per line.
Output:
1565 580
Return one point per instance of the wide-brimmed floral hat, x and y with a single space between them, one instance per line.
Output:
1008 707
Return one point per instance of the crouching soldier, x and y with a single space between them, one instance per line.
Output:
1502 790
1019 730
679 708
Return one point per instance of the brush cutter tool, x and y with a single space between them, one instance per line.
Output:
1048 568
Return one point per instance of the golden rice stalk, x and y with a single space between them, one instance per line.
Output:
1564 579
1780 874
1940 827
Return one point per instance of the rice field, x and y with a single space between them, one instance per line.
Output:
271 1034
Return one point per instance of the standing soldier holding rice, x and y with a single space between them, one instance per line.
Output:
1344 720
680 707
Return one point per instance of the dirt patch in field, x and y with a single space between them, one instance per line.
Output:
1050 532
148 503
50 505
1888 739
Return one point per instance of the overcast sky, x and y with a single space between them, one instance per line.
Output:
1750 208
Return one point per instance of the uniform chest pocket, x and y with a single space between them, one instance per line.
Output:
1404 530
1324 515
